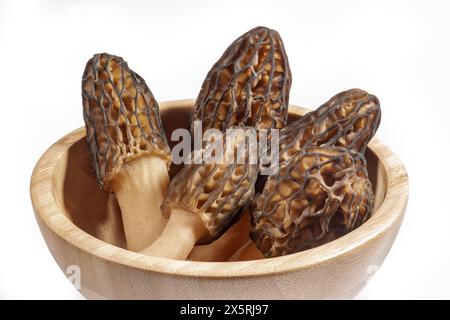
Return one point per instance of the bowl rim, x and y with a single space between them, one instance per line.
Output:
46 209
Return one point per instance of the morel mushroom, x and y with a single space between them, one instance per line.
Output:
204 200
319 195
248 86
349 119
127 143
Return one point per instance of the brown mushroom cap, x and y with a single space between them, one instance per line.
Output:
248 86
121 115
320 194
349 119
215 191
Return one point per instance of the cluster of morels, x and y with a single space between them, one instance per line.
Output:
320 192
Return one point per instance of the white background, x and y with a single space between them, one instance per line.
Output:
398 50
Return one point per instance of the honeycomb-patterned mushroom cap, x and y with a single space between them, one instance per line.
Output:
121 115
349 119
217 189
248 86
319 195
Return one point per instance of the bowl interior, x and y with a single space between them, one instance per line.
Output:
85 205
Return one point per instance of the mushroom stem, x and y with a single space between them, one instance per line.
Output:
140 188
225 246
180 235
110 229
248 251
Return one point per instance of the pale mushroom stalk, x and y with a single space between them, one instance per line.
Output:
127 143
108 230
248 251
140 187
204 200
180 235
227 244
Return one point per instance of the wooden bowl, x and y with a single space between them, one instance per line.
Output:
71 213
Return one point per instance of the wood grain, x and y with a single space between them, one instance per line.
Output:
71 213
